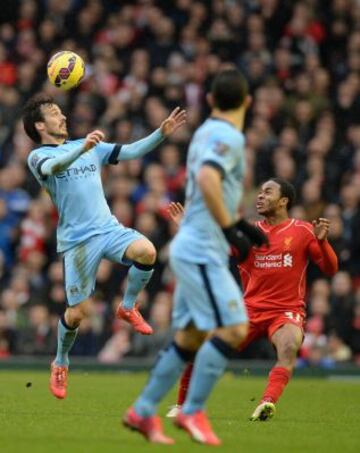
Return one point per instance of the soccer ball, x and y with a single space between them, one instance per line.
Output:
66 69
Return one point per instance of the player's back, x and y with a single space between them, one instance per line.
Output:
220 144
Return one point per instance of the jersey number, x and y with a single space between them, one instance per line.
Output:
295 316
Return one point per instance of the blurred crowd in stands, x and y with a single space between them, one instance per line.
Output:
143 58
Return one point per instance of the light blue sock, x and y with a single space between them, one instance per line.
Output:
66 338
163 376
138 277
209 366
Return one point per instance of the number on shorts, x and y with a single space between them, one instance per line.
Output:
294 316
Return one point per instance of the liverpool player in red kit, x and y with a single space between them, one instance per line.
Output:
273 280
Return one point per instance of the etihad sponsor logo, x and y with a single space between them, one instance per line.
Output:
83 171
273 261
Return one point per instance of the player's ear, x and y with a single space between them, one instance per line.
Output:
210 100
283 202
39 126
247 101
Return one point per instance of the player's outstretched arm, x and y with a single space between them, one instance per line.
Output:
52 166
172 123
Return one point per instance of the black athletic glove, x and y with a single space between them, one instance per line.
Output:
255 235
238 240
242 235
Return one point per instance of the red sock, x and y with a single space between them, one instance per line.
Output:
184 384
278 379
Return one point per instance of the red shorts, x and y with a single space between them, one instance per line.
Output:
266 323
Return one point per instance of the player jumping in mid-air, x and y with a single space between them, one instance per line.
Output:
207 297
273 281
70 170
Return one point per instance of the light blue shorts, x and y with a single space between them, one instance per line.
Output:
82 261
206 295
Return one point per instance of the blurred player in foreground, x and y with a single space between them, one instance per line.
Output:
70 170
207 297
274 281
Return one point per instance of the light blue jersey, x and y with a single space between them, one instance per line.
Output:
87 231
206 292
200 239
77 191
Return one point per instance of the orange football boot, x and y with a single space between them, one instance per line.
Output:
58 380
134 317
150 427
198 426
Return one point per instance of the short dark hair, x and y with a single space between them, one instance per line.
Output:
32 114
229 89
287 190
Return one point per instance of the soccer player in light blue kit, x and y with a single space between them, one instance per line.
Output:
70 171
207 298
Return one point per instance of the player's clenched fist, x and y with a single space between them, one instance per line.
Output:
93 139
321 228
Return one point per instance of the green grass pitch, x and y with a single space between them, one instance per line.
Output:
314 415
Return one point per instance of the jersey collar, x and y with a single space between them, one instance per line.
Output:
283 225
53 145
223 120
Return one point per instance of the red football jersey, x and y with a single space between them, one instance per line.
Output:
274 278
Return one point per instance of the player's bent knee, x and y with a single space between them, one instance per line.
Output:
142 251
190 339
74 315
288 349
150 253
240 334
73 318
233 335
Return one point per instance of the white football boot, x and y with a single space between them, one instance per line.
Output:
173 411
263 412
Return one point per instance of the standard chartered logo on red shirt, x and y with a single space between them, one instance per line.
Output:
271 261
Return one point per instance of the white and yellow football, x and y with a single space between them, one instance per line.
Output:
66 69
